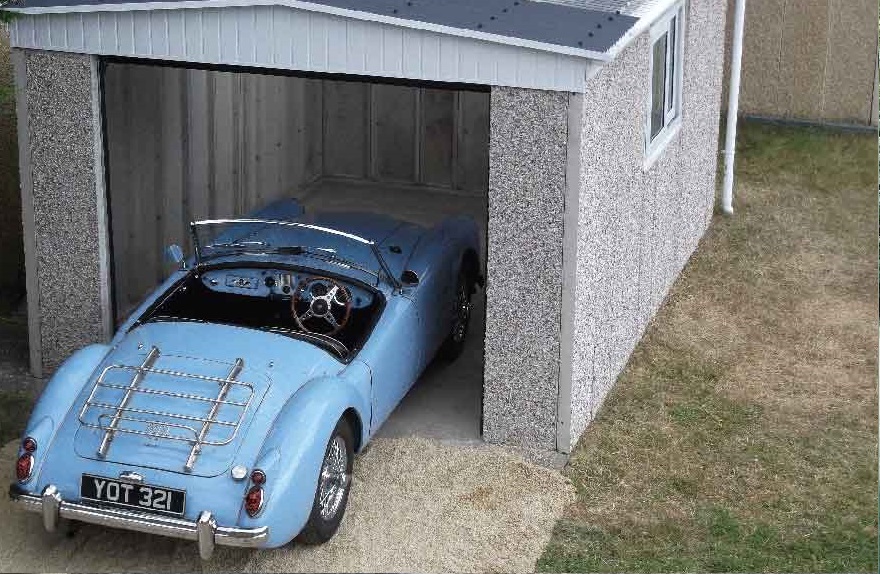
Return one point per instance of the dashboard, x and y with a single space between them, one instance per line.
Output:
265 283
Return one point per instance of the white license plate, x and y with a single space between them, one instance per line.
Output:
132 495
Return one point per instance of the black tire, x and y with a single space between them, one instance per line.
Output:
456 340
321 527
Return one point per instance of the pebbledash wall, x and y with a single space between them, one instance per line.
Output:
638 224
584 238
63 202
568 173
527 187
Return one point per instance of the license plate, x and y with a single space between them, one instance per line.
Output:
132 495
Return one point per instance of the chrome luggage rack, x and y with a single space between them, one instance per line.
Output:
156 424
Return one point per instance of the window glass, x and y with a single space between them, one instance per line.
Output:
658 91
670 85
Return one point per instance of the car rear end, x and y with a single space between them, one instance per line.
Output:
151 446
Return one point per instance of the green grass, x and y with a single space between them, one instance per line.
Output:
742 435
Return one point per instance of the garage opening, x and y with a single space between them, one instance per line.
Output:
184 144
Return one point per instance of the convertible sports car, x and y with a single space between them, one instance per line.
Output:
227 409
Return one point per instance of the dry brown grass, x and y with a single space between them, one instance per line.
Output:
742 435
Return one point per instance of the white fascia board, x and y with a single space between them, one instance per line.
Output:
644 24
308 6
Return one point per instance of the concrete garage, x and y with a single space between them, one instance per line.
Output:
582 133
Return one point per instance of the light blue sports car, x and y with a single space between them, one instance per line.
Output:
228 408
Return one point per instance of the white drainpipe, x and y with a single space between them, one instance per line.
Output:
733 105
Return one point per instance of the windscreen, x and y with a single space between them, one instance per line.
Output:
255 239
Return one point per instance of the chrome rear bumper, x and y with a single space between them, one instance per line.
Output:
204 531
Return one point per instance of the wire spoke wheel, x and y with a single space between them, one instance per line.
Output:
462 314
334 478
333 486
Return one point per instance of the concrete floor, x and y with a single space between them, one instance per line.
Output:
446 403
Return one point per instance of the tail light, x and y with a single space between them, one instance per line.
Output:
258 477
29 444
24 466
253 501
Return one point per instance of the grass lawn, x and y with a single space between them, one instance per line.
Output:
742 435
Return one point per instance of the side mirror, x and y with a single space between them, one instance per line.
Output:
409 278
174 254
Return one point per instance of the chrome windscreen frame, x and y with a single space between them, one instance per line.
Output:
383 265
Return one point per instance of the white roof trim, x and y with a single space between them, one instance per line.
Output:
262 34
300 5
656 11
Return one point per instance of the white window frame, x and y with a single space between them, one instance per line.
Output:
654 145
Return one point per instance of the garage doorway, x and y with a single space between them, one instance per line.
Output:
184 144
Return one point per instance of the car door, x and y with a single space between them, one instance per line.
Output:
434 299
394 354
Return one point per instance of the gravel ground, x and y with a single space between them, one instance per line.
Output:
417 505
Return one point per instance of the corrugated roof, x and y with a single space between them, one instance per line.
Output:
593 26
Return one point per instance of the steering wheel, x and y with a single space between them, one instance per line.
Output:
324 303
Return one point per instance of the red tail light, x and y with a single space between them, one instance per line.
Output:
258 476
29 445
24 466
253 501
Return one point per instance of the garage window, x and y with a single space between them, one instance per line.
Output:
665 102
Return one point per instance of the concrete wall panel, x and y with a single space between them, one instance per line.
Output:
804 58
851 63
639 224
811 59
761 74
63 133
527 167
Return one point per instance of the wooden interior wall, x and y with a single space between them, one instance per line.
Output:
407 134
191 144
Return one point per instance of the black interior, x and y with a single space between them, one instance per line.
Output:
192 300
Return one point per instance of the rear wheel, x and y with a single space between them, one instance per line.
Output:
455 341
334 484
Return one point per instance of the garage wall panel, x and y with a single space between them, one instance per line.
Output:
406 134
472 153
639 225
847 89
438 128
63 189
804 58
527 175
199 144
191 144
809 59
346 129
395 124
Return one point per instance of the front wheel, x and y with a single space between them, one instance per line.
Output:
334 484
456 338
